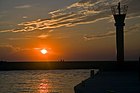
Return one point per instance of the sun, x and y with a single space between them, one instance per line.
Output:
44 51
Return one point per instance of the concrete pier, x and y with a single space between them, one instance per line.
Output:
110 82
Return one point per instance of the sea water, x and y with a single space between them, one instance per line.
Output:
41 81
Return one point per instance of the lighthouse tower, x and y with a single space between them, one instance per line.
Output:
119 13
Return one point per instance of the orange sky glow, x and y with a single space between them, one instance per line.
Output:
75 30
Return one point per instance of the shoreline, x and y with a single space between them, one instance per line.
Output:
102 65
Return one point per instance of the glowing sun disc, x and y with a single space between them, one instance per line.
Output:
44 51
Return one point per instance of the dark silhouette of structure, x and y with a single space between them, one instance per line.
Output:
119 13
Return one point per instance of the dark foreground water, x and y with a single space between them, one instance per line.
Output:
41 81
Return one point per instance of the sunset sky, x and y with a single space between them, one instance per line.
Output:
67 29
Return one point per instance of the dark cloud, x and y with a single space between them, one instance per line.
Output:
111 33
9 52
91 37
6 51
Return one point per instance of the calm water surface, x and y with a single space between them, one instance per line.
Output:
41 81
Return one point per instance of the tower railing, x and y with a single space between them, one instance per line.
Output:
117 11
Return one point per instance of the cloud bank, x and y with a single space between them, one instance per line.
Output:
7 50
82 12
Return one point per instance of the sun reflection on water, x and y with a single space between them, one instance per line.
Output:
43 87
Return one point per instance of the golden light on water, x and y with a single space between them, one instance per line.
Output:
43 88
